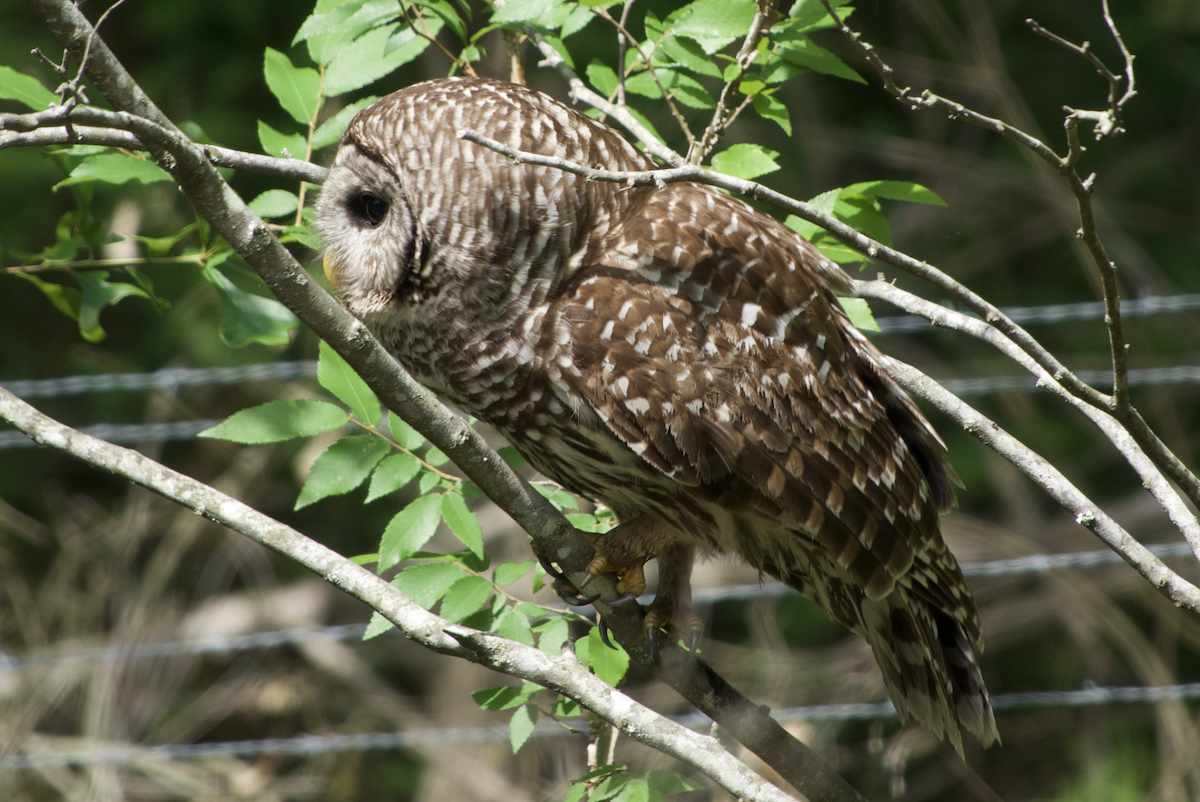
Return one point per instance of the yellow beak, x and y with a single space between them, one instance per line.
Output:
331 270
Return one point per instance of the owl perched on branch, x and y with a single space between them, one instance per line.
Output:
670 352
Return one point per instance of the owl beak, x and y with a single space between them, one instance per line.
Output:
331 269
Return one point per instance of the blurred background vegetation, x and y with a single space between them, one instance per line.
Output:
87 561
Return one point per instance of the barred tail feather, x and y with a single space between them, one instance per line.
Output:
929 668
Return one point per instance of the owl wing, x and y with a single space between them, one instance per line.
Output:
714 347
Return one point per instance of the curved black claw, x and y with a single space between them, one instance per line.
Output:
565 591
549 568
628 597
604 635
652 643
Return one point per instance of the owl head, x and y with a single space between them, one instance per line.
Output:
424 230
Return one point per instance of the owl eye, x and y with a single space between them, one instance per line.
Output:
367 208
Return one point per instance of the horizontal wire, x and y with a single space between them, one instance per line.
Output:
124 432
1059 313
1091 696
163 379
1035 563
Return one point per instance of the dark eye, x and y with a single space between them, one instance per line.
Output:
367 208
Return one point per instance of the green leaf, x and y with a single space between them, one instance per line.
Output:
507 573
578 19
336 376
98 293
746 161
602 77
636 790
825 203
837 252
515 626
715 23
409 530
279 144
330 132
610 786
896 190
806 53
511 456
768 107
25 89
428 481
276 421
392 474
643 84
377 626
859 313
275 203
65 299
521 725
297 89
246 317
515 12
426 583
436 457
576 793
463 522
342 467
115 168
608 664
552 634
465 597
863 213
690 55
375 54
506 697
404 435
668 782
686 89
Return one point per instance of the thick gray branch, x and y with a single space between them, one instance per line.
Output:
563 674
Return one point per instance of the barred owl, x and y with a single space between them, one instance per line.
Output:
670 352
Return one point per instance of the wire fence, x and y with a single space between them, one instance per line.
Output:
305 745
1032 564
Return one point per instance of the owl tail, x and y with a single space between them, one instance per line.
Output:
929 668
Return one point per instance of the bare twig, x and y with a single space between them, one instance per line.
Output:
580 93
723 116
563 674
622 43
1117 403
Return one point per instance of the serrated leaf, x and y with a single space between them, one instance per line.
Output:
64 299
465 597
608 664
375 54
343 466
426 583
392 474
404 435
770 108
515 627
610 786
715 23
668 782
806 53
576 793
115 168
246 317
506 697
435 456
428 481
330 132
280 145
409 530
602 77
463 522
825 203
896 190
636 790
837 252
690 55
746 161
862 212
643 84
377 626
276 421
521 725
336 376
686 89
25 89
552 634
507 573
275 203
296 88
515 12
859 312
578 19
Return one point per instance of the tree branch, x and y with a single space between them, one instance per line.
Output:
553 536
562 674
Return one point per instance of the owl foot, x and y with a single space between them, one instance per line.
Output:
678 622
631 579
563 587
